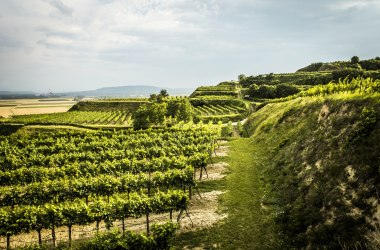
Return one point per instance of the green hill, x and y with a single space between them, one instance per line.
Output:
270 86
322 168
354 63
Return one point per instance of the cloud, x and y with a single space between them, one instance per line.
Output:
344 5
64 9
85 44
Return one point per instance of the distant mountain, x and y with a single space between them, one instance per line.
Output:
17 94
128 91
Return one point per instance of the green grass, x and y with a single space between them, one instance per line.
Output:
208 186
248 225
311 143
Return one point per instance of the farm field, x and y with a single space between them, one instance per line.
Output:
10 107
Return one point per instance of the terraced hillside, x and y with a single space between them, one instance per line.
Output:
112 118
130 105
231 89
270 86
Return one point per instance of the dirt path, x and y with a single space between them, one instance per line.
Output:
248 225
203 209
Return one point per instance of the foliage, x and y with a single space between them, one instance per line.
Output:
228 130
160 97
163 110
371 64
120 171
156 113
141 118
130 105
240 128
180 109
228 89
367 122
319 73
270 92
60 190
356 85
325 190
90 118
354 60
161 238
223 112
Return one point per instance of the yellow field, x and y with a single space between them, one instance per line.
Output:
9 107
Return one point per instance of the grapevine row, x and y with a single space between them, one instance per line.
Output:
24 219
25 175
74 117
104 185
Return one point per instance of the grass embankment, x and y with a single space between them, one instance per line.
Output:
249 225
324 169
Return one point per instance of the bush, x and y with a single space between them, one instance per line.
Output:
162 238
141 118
270 92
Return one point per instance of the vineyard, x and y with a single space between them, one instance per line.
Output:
115 118
228 89
65 178
130 104
357 85
220 112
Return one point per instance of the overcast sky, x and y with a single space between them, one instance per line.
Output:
65 45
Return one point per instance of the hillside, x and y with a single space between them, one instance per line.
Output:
354 63
277 85
322 168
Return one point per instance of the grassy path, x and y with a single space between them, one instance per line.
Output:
248 225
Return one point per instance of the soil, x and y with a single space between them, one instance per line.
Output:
216 171
222 151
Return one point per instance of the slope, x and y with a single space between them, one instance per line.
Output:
323 170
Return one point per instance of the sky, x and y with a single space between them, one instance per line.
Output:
71 45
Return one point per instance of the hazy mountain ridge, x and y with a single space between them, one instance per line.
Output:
119 91
128 91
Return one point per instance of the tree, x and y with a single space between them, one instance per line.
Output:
355 59
164 93
270 76
180 109
185 111
283 90
242 77
141 118
156 113
153 97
